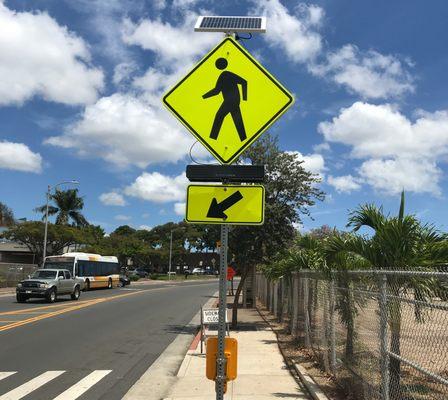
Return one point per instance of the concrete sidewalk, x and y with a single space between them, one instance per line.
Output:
262 373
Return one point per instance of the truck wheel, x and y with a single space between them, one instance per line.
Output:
21 298
52 296
76 293
109 284
87 286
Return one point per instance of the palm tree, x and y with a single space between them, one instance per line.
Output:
347 303
6 215
398 243
68 206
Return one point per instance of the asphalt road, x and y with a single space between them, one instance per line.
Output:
104 342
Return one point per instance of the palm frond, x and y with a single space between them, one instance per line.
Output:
366 215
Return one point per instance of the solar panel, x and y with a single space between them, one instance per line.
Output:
230 24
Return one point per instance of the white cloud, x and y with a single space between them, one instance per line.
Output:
398 153
40 57
112 199
18 156
173 45
369 74
124 131
123 72
295 33
344 184
179 208
158 188
104 20
121 217
393 175
321 147
314 163
145 227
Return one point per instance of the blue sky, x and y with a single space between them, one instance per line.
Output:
81 85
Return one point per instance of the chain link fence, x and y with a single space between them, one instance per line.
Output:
381 334
12 273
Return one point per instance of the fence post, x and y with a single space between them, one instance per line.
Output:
275 296
306 312
272 296
281 289
269 292
295 303
332 327
384 361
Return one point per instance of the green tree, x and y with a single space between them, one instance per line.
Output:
68 206
6 215
31 234
124 230
290 191
397 243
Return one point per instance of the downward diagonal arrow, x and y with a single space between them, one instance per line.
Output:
216 210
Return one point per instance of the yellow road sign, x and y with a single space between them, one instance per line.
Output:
225 204
228 100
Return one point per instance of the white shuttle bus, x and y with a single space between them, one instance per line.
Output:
96 271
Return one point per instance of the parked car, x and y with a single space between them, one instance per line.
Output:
198 271
139 272
124 281
49 284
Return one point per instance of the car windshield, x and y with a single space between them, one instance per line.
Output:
44 274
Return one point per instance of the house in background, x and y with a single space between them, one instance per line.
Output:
16 263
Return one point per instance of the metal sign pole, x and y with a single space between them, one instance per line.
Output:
221 359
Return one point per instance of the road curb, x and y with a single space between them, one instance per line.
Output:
160 377
312 387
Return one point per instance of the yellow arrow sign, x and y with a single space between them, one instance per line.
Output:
228 100
225 204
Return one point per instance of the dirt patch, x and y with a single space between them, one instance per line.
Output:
291 350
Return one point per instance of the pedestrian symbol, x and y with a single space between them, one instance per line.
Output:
228 100
227 85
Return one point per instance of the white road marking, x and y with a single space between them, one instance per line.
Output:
4 375
30 386
83 385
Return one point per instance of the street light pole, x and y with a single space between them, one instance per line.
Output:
171 252
46 213
46 224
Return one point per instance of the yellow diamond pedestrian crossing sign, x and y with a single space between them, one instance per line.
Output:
225 204
228 100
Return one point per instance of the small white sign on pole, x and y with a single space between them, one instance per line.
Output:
210 316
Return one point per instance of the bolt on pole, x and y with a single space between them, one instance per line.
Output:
221 359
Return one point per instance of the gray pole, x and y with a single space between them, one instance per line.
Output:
220 359
332 327
171 252
46 224
384 360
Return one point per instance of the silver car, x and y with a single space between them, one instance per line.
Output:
49 284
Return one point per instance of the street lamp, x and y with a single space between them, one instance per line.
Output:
46 212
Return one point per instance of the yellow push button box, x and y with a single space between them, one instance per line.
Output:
230 352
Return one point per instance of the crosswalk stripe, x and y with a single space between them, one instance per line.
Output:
4 375
83 385
30 386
